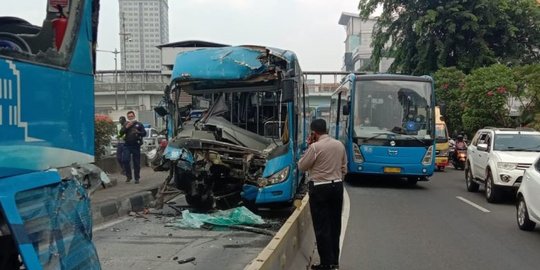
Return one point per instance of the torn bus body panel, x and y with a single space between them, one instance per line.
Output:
221 159
244 137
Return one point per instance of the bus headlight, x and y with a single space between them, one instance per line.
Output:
428 157
358 158
275 178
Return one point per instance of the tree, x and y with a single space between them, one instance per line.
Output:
425 35
449 90
486 98
527 93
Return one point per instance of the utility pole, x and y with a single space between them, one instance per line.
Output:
124 36
115 79
115 52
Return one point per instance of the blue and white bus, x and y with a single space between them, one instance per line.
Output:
248 141
387 124
46 125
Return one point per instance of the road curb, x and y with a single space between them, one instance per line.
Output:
112 209
293 245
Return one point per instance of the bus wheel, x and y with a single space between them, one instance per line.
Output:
204 202
412 181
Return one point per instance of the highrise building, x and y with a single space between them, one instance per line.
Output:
144 24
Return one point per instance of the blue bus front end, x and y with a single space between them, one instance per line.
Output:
387 124
278 182
390 160
246 143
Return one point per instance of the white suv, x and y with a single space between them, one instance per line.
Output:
497 158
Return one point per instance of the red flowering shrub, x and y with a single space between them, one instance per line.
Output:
104 129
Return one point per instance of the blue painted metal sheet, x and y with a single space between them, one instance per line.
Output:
46 112
233 63
228 63
51 221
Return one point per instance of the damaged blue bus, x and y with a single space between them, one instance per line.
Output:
246 144
46 125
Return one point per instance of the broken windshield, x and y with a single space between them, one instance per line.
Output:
261 113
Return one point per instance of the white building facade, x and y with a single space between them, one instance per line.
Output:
358 48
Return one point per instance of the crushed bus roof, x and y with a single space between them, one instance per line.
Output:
245 65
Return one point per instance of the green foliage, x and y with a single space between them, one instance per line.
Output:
104 129
449 85
427 35
527 92
486 97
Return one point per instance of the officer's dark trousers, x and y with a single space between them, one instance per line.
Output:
326 203
132 152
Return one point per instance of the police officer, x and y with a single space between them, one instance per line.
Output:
326 163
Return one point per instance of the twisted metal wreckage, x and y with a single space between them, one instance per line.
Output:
223 157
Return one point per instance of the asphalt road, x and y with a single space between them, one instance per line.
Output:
144 242
395 226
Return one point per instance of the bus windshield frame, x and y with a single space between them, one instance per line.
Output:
402 109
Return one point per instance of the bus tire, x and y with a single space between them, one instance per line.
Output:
200 202
411 181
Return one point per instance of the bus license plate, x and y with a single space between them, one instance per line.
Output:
392 170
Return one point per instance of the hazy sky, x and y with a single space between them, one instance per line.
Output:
308 27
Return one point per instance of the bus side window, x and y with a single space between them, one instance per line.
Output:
22 40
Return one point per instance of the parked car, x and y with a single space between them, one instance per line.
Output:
151 140
528 198
497 158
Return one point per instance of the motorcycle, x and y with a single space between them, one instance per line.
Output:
459 158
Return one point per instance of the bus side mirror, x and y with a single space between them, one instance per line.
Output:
161 111
346 109
443 110
287 90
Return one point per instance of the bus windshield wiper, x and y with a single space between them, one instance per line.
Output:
377 135
412 137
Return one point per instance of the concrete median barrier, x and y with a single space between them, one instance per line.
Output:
293 245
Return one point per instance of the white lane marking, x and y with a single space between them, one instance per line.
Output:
110 224
344 218
473 204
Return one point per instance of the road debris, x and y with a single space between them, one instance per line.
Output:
190 259
236 216
252 229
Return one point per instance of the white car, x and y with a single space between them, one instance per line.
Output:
528 198
497 158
